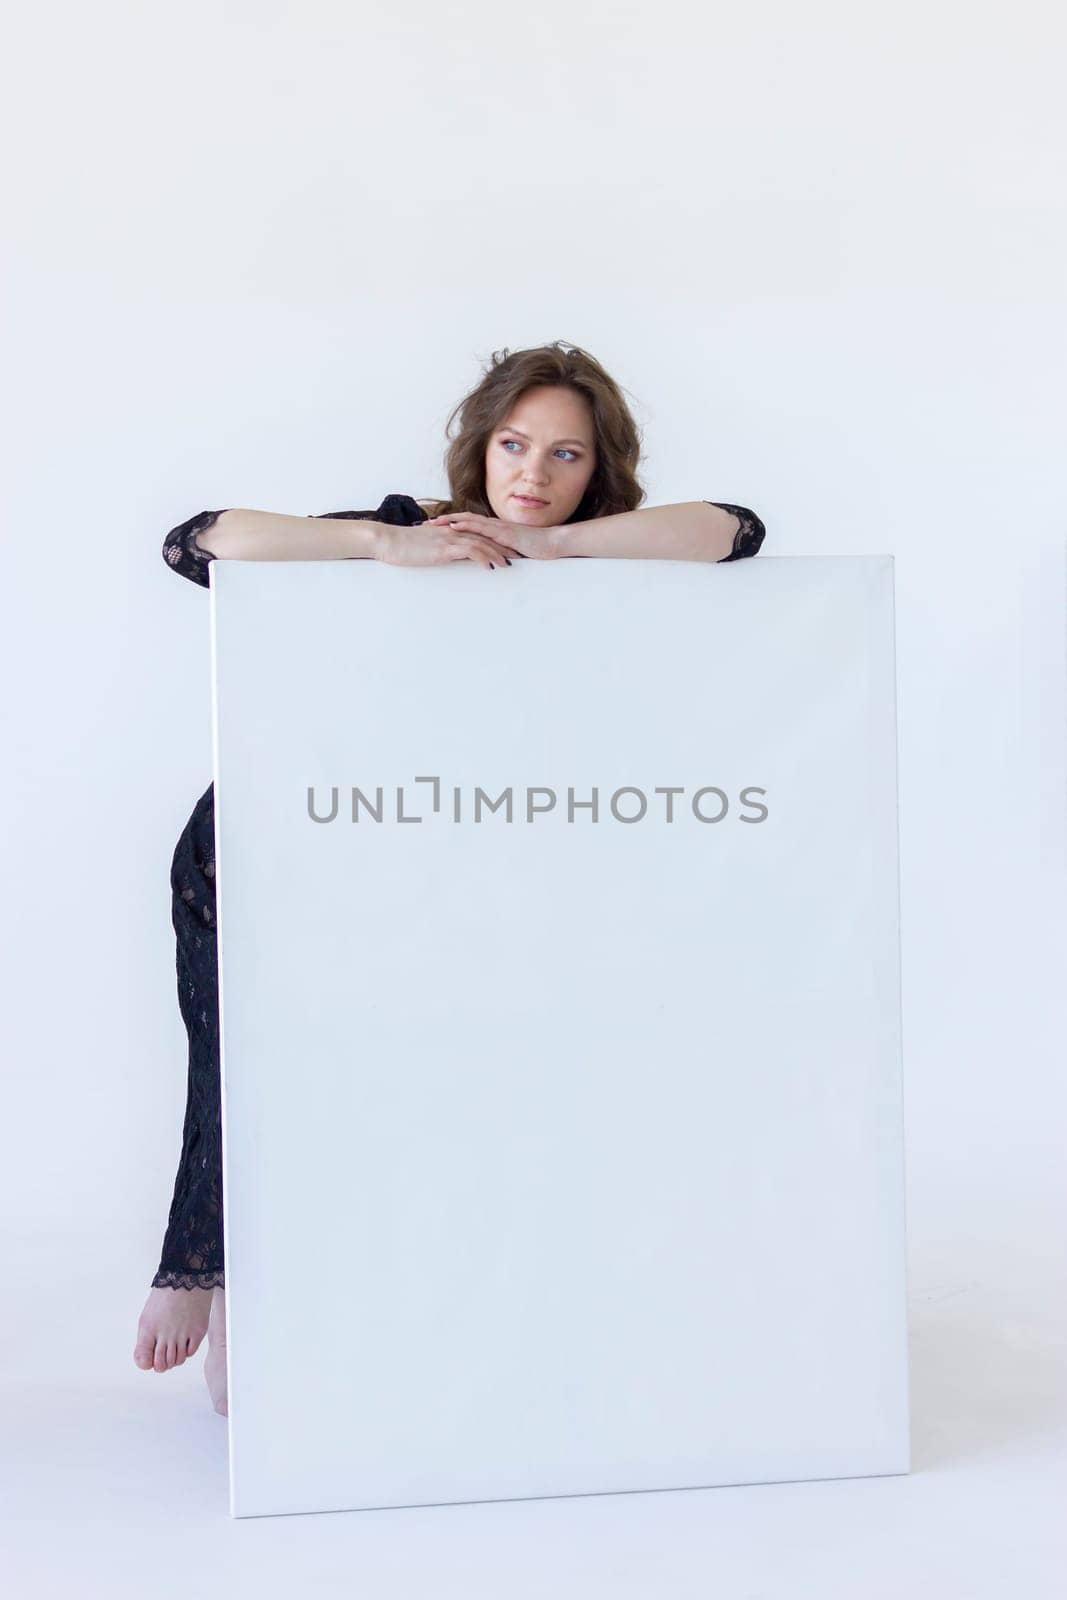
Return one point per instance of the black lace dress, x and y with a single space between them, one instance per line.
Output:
192 1255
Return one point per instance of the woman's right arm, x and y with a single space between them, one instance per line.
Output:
242 535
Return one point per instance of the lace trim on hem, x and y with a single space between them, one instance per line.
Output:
189 1280
750 534
182 553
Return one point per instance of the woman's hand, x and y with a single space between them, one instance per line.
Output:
538 544
427 544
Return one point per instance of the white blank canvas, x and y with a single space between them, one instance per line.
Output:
561 1156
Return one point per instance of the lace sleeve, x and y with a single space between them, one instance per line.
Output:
182 553
750 533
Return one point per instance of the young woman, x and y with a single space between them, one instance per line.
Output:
543 467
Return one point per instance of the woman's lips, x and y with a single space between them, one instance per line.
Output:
529 500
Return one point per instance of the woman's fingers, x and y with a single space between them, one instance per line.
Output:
484 551
498 550
464 525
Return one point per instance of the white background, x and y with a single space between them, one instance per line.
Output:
254 255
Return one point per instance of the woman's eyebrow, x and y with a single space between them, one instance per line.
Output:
507 428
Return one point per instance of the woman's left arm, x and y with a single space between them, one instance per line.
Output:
693 530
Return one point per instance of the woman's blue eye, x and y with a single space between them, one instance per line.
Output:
563 447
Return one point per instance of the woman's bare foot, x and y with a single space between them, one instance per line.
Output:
215 1360
171 1327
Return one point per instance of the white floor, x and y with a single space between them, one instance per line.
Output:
116 1480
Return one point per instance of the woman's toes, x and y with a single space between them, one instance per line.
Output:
144 1351
160 1362
215 1375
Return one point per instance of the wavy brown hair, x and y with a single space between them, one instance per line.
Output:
613 486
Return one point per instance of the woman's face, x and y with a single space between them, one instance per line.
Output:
545 449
